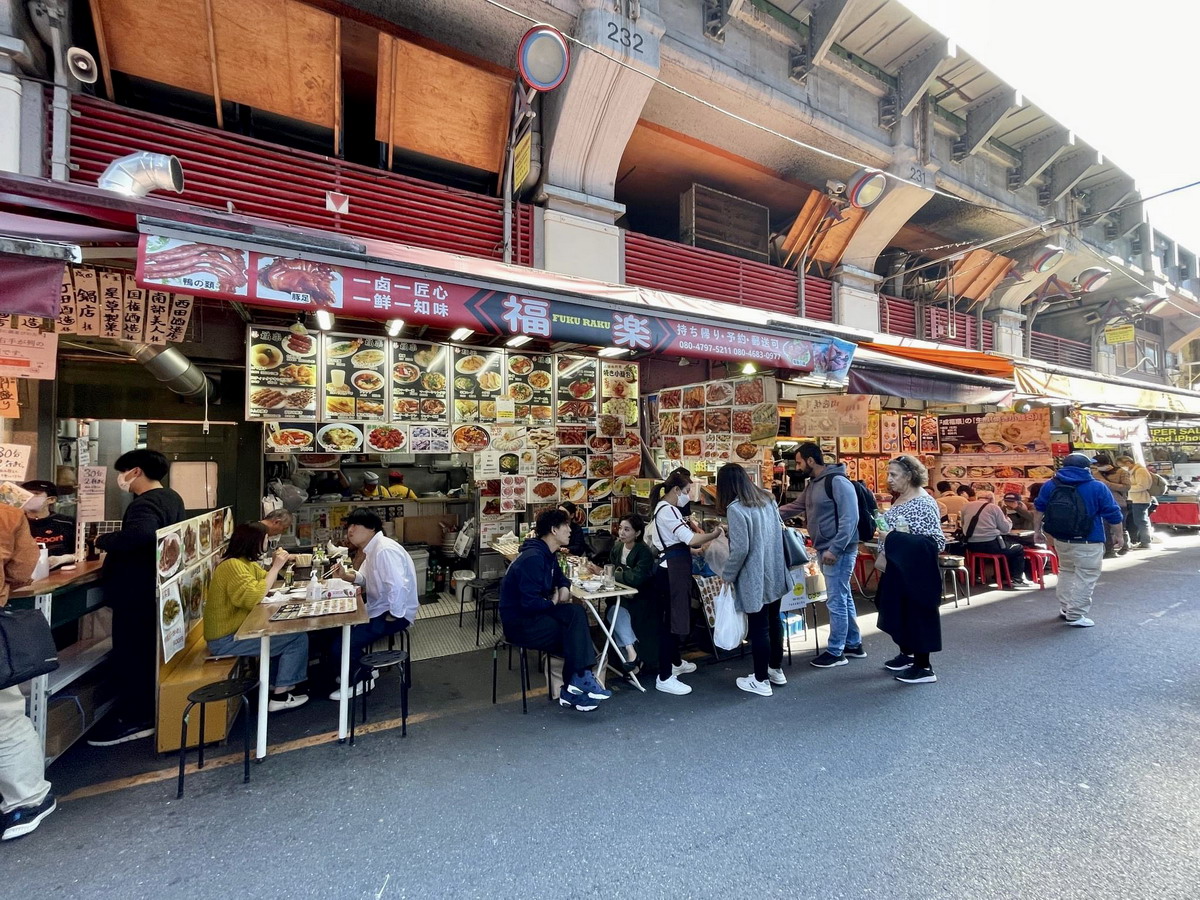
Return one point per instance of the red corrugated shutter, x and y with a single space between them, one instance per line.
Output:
898 316
285 185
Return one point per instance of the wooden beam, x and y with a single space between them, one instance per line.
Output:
212 58
337 86
102 46
917 74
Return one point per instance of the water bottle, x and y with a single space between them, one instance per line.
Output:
902 524
881 524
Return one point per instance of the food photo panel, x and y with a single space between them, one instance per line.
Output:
281 374
355 384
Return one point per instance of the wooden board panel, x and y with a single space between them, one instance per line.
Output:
279 56
442 107
162 40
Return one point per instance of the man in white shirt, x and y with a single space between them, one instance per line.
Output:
949 499
389 582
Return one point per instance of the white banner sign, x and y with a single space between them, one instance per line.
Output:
1117 430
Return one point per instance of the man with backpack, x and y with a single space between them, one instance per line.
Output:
832 514
1141 482
1074 508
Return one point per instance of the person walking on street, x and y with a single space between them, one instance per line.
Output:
1074 508
129 586
1140 481
25 798
757 572
831 505
1108 472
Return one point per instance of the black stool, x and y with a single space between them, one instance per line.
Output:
486 598
405 637
211 693
385 659
523 661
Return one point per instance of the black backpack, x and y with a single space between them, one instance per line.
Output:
866 505
1066 516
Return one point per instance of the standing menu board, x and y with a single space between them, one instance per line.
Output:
419 382
478 378
281 375
355 378
531 387
576 388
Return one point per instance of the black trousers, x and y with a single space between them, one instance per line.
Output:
766 639
561 630
668 642
135 639
1014 553
361 637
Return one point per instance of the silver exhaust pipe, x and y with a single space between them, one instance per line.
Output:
139 173
177 373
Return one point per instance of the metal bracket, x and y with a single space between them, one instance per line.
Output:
889 110
716 19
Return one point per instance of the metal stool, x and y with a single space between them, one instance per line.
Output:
953 568
1037 560
523 662
486 598
384 659
977 561
463 579
211 693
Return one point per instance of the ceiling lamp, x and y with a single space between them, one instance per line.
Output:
543 58
518 340
324 319
1046 258
1092 279
866 187
461 334
613 351
749 368
394 327
1153 303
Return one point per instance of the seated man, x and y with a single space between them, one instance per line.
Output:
389 582
953 502
55 531
984 528
1018 513
537 613
276 522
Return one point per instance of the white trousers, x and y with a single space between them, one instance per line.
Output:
1078 572
22 765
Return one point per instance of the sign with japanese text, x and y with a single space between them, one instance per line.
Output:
831 415
27 352
110 304
996 433
280 282
91 493
9 407
1119 334
14 462
1174 434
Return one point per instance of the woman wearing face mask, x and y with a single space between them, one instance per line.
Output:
633 564
672 582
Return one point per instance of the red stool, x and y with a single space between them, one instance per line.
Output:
1037 560
860 570
976 562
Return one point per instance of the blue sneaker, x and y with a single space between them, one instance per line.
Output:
579 701
587 684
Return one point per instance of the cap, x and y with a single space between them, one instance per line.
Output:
396 474
1078 460
371 478
49 488
1012 496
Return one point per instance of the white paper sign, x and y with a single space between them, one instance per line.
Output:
91 493
14 462
171 620
487 465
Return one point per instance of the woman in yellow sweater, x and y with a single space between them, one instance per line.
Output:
238 585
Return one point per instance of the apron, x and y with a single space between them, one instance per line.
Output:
679 579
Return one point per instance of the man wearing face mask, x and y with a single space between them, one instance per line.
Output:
56 532
129 588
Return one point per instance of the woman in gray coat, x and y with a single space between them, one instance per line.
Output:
756 571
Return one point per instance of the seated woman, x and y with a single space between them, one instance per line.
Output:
238 585
633 564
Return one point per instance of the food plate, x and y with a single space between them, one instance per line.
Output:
539 380
544 490
169 556
265 357
521 393
575 491
719 393
510 463
571 466
342 349
366 380
367 359
520 365
340 438
405 373
600 515
599 490
386 439
471 364
300 344
489 381
746 450
290 439
511 438
600 466
582 389
471 439
433 381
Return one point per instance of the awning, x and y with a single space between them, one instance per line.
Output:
1093 389
960 360
30 284
880 373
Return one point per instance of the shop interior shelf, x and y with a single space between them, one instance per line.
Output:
77 660
101 711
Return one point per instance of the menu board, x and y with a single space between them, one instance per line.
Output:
619 389
870 439
996 433
185 557
355 378
478 379
419 382
889 432
716 420
576 388
531 387
281 374
290 437
929 434
909 433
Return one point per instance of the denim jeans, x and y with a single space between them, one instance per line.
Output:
361 638
291 651
1139 522
843 623
622 628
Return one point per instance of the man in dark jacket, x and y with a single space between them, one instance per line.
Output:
130 575
1079 554
537 612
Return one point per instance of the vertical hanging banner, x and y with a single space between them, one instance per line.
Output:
66 307
87 302
133 321
111 300
9 408
158 305
178 317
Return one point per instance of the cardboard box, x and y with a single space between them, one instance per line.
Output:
428 529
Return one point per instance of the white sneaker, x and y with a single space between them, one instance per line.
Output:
337 679
752 686
687 667
672 686
358 689
1081 622
776 676
288 701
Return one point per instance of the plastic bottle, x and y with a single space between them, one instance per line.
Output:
429 576
902 523
881 524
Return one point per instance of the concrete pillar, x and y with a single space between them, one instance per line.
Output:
856 298
1104 359
588 121
1009 331
10 123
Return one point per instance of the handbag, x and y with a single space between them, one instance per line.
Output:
26 646
794 553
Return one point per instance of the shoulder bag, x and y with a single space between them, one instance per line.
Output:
26 646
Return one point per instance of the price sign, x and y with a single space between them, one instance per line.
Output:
92 480
14 461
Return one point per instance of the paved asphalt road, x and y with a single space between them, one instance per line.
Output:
1048 762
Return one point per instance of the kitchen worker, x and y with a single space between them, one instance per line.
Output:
55 532
397 488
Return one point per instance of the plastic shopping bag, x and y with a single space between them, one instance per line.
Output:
731 627
716 553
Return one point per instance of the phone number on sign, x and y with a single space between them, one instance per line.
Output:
741 352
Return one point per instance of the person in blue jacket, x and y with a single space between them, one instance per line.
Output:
537 612
1078 533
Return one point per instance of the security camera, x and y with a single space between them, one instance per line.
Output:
835 188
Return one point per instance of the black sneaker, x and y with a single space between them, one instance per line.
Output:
917 675
115 731
827 660
898 663
25 819
855 652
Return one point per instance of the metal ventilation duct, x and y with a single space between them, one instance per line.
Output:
177 373
139 173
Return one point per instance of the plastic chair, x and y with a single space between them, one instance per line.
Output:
977 561
212 693
1038 560
383 660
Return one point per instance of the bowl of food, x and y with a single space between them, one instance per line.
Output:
265 356
367 381
386 439
340 438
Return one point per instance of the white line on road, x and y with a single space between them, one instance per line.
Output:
384 887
